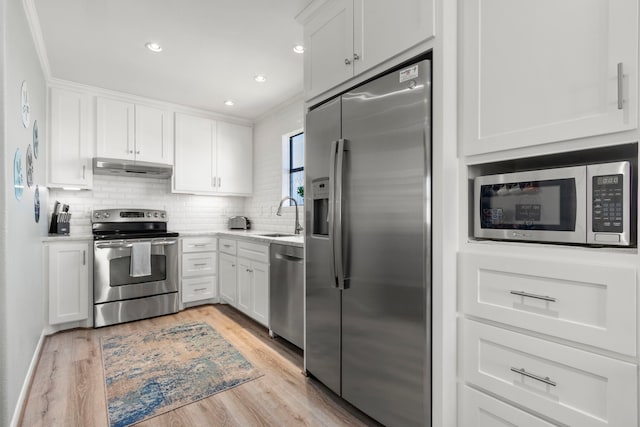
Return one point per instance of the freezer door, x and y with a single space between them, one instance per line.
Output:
386 220
322 311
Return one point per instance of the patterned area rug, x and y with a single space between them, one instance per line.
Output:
154 372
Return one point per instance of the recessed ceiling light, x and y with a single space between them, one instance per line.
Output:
260 78
298 48
229 103
154 47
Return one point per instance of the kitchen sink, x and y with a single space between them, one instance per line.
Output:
276 235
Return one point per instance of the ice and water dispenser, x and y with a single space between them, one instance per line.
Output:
320 206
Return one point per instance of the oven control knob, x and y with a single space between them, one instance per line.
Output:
163 215
155 214
106 215
97 215
148 214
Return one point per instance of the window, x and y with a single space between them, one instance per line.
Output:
293 166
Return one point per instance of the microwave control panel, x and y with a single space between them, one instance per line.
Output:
608 203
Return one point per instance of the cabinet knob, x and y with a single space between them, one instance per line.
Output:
356 57
347 61
138 152
130 151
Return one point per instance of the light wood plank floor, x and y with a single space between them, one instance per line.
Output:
68 386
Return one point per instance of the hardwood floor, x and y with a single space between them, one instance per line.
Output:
68 385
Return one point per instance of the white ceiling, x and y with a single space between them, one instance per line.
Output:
212 49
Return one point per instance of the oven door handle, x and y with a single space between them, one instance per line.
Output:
128 245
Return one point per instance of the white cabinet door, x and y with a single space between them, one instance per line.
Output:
195 149
68 282
328 40
405 23
235 158
152 136
244 285
71 149
228 278
115 129
260 292
545 71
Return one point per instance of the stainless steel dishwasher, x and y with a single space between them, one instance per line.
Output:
286 293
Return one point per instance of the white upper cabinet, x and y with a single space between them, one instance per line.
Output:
344 38
71 149
235 158
195 148
212 157
546 71
132 131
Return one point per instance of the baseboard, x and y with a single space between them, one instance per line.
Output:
22 398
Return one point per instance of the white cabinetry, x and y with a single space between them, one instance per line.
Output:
212 157
253 280
199 269
547 334
228 271
71 149
68 279
546 71
344 38
132 131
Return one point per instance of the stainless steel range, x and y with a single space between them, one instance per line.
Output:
135 272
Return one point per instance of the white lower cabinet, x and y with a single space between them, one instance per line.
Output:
482 410
198 269
547 340
68 274
244 277
253 280
571 386
228 278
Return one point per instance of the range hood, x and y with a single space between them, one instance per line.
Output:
118 167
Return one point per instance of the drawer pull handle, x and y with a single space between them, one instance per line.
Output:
528 295
545 380
200 289
200 264
227 246
199 245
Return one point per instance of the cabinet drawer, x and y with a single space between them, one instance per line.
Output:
199 244
482 410
228 246
586 303
198 288
571 386
253 251
199 264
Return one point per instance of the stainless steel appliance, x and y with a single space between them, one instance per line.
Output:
589 204
120 167
286 293
368 246
239 223
135 272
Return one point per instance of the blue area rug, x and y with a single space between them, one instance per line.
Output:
153 372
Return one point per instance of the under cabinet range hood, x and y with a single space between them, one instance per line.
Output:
119 167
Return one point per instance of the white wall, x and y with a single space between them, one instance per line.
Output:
21 278
267 168
185 212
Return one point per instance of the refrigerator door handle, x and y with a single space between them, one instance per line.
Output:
337 220
331 214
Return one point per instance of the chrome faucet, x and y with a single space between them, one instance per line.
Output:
279 212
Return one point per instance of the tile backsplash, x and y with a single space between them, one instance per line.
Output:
186 212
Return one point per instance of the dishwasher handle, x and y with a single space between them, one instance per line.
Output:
289 258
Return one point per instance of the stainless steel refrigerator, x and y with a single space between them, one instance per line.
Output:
368 246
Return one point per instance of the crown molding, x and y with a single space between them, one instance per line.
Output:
36 34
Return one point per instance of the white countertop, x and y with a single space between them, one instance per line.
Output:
251 235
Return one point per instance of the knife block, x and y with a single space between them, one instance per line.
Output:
58 225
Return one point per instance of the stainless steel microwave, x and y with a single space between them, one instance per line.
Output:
591 204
